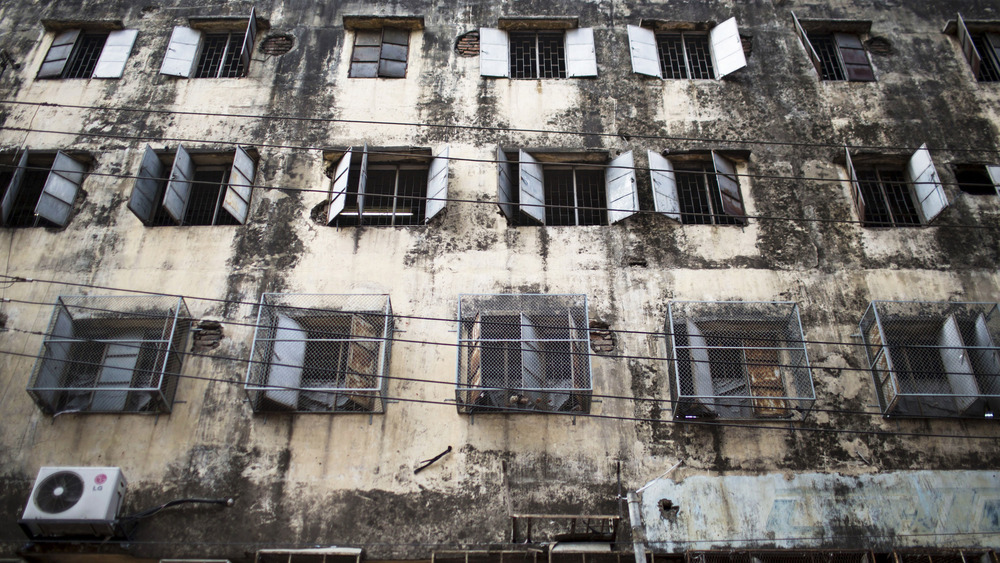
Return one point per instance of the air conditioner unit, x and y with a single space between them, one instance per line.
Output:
74 501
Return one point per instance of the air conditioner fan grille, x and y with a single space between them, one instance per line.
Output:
59 492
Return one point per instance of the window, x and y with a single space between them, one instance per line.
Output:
203 188
697 189
111 354
523 353
736 359
78 53
976 179
320 353
194 53
559 189
934 359
386 186
887 195
981 47
537 49
380 53
673 53
39 188
835 49
310 555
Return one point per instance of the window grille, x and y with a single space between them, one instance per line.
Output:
310 555
111 354
537 54
87 50
685 55
780 556
320 353
575 196
836 53
523 353
700 198
738 360
934 359
220 56
889 202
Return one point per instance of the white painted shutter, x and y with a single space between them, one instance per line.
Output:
240 188
532 368
248 41
927 184
995 176
288 356
665 198
987 357
118 47
338 189
182 52
178 193
58 55
726 48
531 187
968 47
63 183
437 185
957 365
642 48
494 52
623 197
145 198
701 370
852 178
581 56
14 188
810 50
116 372
362 182
505 185
729 187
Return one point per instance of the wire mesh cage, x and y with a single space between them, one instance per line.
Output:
781 556
320 353
111 354
944 556
521 352
738 360
934 359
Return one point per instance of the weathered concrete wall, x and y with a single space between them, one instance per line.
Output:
347 480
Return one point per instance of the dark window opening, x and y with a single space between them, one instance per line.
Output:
975 181
575 196
537 54
888 198
208 192
988 46
380 53
22 212
220 56
700 199
83 60
829 57
395 195
685 55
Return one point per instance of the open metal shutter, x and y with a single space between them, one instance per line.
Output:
338 188
14 188
116 372
494 52
474 375
729 187
969 48
854 57
927 184
957 366
117 48
240 188
505 185
581 56
145 198
994 172
642 49
58 55
58 357
726 48
248 41
665 198
182 52
986 355
288 358
437 185
178 193
532 366
63 183
810 50
619 179
362 182
701 369
852 178
531 187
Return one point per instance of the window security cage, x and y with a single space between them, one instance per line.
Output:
934 359
736 359
781 556
320 353
523 353
111 354
944 556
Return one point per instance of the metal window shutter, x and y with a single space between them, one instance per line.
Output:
178 192
957 366
810 50
240 188
665 198
475 366
701 369
182 52
362 361
581 56
987 357
619 179
729 187
994 172
13 188
968 47
726 48
505 185
642 49
63 183
494 52
116 371
854 57
852 179
362 181
114 55
338 188
146 198
532 366
926 184
58 55
248 41
437 185
288 356
57 357
531 187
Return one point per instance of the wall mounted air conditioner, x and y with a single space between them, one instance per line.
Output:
74 501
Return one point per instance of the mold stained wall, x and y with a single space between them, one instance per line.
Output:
349 480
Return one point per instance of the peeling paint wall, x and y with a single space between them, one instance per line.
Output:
348 479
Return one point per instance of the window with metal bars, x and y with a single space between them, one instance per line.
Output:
537 54
575 195
685 55
699 197
77 53
380 53
888 199
87 50
988 48
220 56
836 50
697 188
38 189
